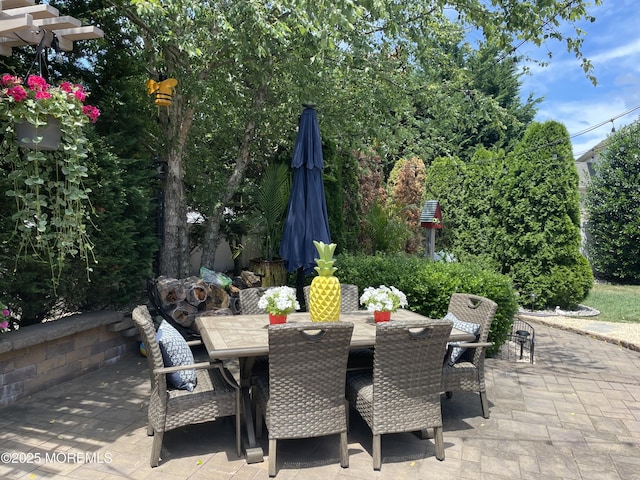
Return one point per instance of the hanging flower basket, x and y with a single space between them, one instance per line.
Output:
51 201
45 137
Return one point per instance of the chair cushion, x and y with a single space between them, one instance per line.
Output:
468 327
176 352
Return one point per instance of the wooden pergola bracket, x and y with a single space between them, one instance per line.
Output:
22 22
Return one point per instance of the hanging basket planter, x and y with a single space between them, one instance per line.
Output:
51 203
46 137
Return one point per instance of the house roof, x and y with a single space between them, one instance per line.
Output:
585 164
593 152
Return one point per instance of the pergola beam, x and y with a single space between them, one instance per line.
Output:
38 12
24 23
9 24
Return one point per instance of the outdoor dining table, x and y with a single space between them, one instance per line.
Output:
245 337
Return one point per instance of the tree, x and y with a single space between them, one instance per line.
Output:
470 101
537 220
477 235
465 193
406 185
613 208
255 63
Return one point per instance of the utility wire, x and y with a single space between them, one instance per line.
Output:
589 129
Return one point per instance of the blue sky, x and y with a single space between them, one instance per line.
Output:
612 43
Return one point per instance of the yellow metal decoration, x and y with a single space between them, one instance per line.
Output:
163 90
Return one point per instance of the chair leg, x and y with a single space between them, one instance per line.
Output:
437 434
346 413
259 421
272 457
156 448
149 430
377 456
344 450
238 435
485 404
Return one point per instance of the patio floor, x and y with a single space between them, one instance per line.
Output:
574 414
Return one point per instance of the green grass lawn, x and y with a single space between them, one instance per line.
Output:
616 303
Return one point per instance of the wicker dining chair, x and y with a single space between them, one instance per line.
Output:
249 298
216 393
402 393
467 372
349 300
303 395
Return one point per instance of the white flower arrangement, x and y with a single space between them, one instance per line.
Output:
383 299
279 301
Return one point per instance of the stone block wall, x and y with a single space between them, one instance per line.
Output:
38 356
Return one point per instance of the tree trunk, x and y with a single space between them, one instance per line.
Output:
212 225
175 251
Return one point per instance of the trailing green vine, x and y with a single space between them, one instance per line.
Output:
52 205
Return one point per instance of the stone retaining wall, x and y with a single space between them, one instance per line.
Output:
38 356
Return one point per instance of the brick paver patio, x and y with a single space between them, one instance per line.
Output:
574 414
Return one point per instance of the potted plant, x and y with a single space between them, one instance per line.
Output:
51 201
279 302
382 301
41 108
272 197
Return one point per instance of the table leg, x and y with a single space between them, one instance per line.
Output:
253 452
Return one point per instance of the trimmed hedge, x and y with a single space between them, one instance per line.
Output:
429 285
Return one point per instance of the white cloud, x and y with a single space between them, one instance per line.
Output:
628 52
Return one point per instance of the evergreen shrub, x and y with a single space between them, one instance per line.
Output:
613 209
429 285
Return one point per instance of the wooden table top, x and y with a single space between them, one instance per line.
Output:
232 336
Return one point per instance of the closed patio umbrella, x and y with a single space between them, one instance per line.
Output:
306 219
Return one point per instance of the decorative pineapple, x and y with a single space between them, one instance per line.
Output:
324 295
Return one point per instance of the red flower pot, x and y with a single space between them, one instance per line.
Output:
381 316
277 319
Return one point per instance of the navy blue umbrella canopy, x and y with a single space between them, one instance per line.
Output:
307 210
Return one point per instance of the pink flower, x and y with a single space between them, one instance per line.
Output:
92 112
18 93
40 95
37 83
79 94
10 80
77 90
4 325
5 312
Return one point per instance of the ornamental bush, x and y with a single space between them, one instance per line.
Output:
429 285
613 208
536 220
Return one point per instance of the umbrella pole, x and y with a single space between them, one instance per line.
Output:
300 289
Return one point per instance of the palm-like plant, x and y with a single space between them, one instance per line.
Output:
271 205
